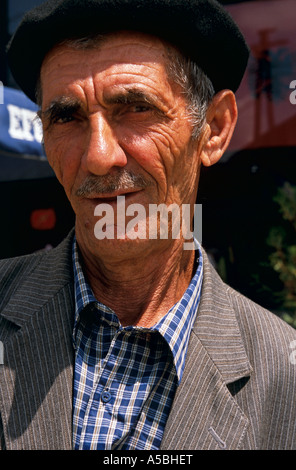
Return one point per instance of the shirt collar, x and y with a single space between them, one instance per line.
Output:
175 327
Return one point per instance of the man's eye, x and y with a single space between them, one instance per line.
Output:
60 115
140 108
62 119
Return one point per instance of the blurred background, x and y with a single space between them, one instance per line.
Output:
248 198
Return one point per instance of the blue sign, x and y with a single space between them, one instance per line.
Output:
20 127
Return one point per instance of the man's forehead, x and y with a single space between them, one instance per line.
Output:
119 67
135 54
136 46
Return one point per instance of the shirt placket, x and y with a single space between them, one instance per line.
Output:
101 394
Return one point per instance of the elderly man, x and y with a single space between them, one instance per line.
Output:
133 342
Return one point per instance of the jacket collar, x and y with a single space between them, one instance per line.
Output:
217 327
216 357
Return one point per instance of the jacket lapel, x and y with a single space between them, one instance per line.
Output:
40 352
205 415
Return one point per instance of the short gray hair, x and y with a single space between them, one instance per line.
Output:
195 85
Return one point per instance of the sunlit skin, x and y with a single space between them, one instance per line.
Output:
114 108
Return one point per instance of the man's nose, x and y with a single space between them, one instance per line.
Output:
102 151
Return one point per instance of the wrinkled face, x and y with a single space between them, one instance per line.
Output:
111 114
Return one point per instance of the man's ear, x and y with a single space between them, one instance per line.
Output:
221 121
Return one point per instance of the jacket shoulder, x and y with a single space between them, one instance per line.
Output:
259 323
36 272
12 273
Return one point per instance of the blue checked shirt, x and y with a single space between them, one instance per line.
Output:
125 378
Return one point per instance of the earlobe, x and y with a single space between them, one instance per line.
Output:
221 121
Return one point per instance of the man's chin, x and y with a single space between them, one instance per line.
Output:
124 249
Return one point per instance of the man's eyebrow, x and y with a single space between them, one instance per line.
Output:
59 106
130 96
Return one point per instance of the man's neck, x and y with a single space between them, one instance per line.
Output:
140 290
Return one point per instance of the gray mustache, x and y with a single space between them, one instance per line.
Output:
105 184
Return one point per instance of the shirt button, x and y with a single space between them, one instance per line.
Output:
106 396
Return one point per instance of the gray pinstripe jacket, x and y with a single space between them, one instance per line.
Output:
238 390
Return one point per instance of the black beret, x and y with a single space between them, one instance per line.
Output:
201 29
